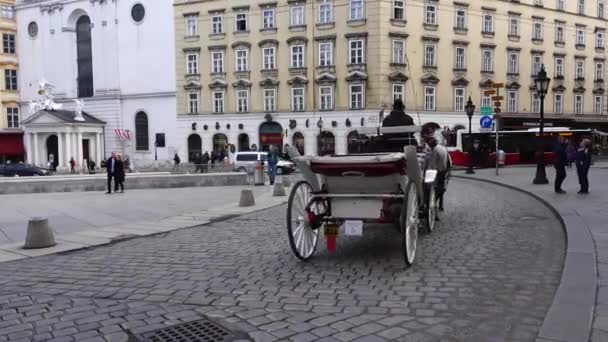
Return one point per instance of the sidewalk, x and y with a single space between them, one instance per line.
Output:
580 307
86 219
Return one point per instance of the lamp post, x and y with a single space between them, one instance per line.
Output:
470 108
542 85
319 138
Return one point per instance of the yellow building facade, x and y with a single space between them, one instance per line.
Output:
298 61
11 137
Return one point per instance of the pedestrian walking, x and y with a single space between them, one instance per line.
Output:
119 174
205 161
570 153
127 163
561 160
176 162
111 171
198 163
583 163
273 160
213 159
72 165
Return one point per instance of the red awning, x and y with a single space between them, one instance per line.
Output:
11 144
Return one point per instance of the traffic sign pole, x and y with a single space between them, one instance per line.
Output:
497 98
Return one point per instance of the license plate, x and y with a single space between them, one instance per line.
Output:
353 228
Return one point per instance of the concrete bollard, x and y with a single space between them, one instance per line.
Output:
246 199
286 181
278 190
39 234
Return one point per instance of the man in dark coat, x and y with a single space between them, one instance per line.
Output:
205 160
583 163
198 163
561 160
397 117
111 170
119 174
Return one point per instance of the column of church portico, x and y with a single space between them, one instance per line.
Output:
60 152
28 146
79 149
98 156
68 148
36 156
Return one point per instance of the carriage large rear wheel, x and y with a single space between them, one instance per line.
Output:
409 223
303 237
430 213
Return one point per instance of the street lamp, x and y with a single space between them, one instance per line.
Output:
542 85
320 124
470 108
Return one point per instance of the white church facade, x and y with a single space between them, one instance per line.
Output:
118 58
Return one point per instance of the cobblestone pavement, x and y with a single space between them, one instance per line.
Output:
487 273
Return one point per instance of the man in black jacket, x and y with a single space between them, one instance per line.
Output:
561 160
111 169
397 117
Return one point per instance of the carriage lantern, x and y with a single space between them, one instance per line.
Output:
470 108
320 124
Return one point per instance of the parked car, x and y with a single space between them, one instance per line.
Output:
245 160
21 169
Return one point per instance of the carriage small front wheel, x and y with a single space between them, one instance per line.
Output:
409 220
303 237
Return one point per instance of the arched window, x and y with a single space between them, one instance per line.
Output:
351 141
219 142
84 57
243 142
141 132
327 143
195 145
298 142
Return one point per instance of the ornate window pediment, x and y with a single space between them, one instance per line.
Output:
356 76
269 82
559 88
193 85
297 80
242 83
598 91
430 79
241 44
486 83
297 39
269 42
461 82
513 85
398 76
579 89
218 84
326 78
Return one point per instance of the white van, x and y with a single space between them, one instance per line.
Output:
247 160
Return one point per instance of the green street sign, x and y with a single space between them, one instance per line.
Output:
486 111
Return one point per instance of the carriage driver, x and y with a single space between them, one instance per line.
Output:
439 159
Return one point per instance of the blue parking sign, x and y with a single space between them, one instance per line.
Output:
485 121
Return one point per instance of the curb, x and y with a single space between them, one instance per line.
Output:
570 316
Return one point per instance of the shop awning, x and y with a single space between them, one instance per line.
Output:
11 144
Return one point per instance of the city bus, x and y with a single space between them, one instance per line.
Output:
520 147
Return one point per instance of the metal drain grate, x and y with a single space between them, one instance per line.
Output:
202 330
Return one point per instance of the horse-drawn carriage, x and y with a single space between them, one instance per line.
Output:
388 182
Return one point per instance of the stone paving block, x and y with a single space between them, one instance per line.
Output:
303 337
208 269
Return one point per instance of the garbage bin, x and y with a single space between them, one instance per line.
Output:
501 158
258 174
